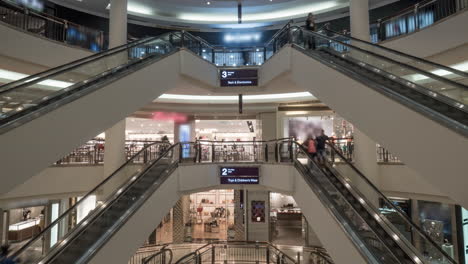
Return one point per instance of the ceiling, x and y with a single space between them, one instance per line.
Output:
217 14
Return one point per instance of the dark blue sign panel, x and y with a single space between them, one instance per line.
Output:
239 175
240 180
238 77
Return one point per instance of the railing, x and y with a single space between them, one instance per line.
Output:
56 235
161 256
384 156
318 256
51 27
235 252
52 238
75 79
235 151
371 198
345 146
92 152
415 18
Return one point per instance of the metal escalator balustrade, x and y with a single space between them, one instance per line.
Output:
393 78
355 201
121 194
112 196
32 96
436 71
237 251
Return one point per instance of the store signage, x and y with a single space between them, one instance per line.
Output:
239 175
238 77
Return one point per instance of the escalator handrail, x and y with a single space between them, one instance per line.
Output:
65 214
382 196
278 33
199 39
434 64
212 244
434 76
115 196
161 251
240 142
32 79
350 231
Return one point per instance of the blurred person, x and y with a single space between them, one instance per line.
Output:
321 147
311 26
311 146
4 259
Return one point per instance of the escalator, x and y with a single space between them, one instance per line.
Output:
355 202
67 105
425 86
395 99
128 198
119 197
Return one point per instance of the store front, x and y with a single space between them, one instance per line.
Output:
286 221
211 215
393 216
438 222
24 223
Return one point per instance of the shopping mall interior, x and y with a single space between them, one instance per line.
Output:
219 131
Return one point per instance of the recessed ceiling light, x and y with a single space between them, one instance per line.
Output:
208 3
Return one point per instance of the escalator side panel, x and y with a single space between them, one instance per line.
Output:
339 245
68 126
124 243
406 133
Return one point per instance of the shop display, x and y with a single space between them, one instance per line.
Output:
25 223
211 214
258 211
434 229
394 217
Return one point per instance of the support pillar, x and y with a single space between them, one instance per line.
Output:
114 152
185 131
64 225
258 231
365 159
117 23
359 19
267 125
114 155
4 224
239 228
180 218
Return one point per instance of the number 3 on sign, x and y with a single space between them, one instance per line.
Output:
224 74
224 172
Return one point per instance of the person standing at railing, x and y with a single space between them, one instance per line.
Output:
311 26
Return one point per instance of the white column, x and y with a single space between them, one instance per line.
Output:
64 225
267 124
114 154
4 226
365 155
359 19
183 135
117 23
114 151
365 159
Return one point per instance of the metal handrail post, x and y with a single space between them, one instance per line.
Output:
416 16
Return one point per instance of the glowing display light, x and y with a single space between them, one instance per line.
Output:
244 37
